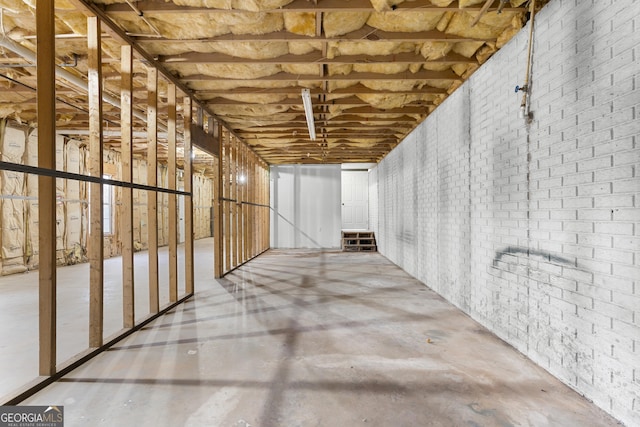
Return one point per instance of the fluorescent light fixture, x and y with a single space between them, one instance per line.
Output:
308 112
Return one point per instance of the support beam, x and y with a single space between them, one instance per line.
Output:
151 7
283 76
46 101
173 207
126 218
152 180
188 200
367 33
315 57
95 247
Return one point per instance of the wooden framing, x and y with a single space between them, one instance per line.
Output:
218 224
173 207
266 218
251 226
257 227
188 200
246 208
227 205
152 180
233 182
95 247
126 217
241 191
46 110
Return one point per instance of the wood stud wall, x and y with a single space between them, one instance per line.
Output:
241 190
241 211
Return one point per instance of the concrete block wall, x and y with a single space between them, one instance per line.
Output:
534 228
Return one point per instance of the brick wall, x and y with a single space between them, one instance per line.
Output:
534 230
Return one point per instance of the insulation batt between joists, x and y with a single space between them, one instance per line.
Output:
13 209
33 231
19 205
73 250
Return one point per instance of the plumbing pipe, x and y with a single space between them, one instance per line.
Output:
144 18
76 81
501 6
482 12
525 87
107 133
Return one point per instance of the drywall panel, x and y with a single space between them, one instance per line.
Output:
305 206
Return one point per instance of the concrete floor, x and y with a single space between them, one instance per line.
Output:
309 338
19 310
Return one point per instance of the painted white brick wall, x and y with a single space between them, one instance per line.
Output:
535 230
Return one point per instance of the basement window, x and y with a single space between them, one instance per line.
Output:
107 207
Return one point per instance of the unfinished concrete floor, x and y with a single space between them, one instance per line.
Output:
310 338
19 310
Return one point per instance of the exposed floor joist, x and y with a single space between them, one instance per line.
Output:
361 61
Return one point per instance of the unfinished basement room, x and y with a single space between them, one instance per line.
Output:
274 213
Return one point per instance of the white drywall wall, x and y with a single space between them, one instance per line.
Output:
305 206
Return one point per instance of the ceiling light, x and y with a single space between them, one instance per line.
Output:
308 112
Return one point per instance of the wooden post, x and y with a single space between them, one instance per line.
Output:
218 241
240 197
173 211
260 190
152 180
240 186
266 212
126 223
259 195
227 204
95 247
46 111
246 208
256 230
188 200
234 205
251 208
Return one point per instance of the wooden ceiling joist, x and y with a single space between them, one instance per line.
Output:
365 33
258 99
312 58
352 101
151 7
355 89
282 76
